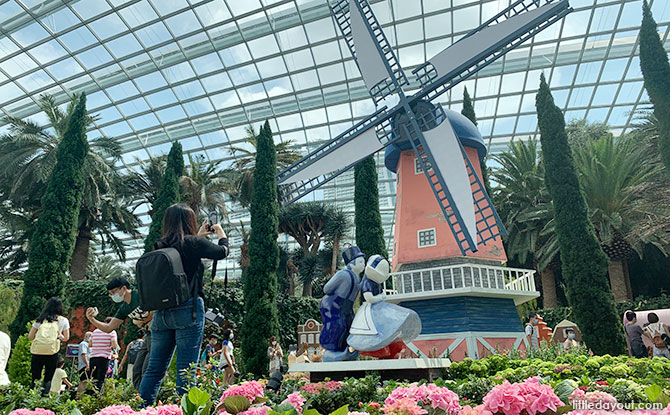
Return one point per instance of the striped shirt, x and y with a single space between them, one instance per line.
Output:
101 344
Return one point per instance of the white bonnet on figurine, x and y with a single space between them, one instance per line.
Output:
377 269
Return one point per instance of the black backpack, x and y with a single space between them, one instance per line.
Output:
162 282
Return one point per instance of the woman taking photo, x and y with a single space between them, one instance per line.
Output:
275 354
176 327
227 362
48 331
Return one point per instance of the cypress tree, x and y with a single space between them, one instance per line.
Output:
469 112
167 195
260 278
656 74
368 220
584 262
52 243
468 109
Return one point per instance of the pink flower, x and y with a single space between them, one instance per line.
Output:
296 400
478 410
37 411
256 410
596 400
429 395
358 413
250 390
531 396
404 406
169 410
333 385
116 410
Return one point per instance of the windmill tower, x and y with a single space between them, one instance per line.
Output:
422 237
455 303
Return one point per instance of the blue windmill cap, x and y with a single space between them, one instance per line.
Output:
351 253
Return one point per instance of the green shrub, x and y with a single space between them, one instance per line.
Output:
10 298
474 389
16 396
19 361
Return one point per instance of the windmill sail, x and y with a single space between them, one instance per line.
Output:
344 155
446 150
371 63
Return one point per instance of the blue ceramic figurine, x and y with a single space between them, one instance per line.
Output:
381 329
337 307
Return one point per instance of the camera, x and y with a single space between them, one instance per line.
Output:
215 317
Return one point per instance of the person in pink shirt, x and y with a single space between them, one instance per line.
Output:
101 347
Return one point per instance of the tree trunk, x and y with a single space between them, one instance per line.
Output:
618 279
80 255
629 287
548 288
244 255
336 252
307 289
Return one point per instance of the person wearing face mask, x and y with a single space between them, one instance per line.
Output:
275 355
533 332
210 351
129 308
570 342
227 362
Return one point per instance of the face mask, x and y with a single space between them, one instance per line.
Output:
274 343
571 335
214 342
536 321
232 336
116 297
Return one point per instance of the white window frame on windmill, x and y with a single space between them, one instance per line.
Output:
417 166
418 237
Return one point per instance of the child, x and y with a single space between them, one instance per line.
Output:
570 342
655 331
59 378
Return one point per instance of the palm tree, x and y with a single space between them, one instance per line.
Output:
203 186
28 155
239 178
241 175
310 224
142 183
525 208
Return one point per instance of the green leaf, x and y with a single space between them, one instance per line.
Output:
285 408
563 409
343 410
236 404
207 409
653 392
311 412
75 411
198 397
187 407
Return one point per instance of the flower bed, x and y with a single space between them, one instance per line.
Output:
574 384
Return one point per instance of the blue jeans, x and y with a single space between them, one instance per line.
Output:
170 328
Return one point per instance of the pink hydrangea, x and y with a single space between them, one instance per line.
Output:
357 413
116 410
403 406
593 400
257 410
296 400
36 411
513 398
478 410
250 390
429 395
333 385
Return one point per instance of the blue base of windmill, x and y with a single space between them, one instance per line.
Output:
466 326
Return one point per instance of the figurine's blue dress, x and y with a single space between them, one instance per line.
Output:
337 309
380 324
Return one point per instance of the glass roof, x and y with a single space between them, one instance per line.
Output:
201 71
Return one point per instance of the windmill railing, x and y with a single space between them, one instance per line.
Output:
462 279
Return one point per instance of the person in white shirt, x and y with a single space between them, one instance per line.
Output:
5 349
657 332
532 332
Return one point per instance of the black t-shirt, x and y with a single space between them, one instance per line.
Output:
193 250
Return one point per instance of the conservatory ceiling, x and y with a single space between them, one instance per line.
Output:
202 71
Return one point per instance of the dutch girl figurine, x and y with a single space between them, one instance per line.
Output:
337 307
381 329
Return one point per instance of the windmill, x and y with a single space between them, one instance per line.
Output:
414 119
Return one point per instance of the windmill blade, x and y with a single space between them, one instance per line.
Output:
519 22
372 52
456 185
336 156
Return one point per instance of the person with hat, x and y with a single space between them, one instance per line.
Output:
337 307
381 329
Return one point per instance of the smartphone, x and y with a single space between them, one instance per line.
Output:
212 218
